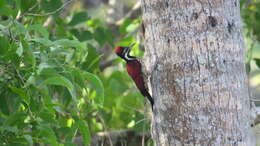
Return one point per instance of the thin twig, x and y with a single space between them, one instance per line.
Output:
19 75
106 64
50 13
48 21
144 119
20 15
255 100
143 136
247 3
134 8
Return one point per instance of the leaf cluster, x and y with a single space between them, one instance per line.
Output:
51 88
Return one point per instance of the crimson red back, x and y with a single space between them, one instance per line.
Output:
134 69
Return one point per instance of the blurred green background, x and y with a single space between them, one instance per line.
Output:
61 83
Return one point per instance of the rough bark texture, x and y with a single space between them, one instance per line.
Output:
195 57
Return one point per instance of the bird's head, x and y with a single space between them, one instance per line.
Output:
124 52
120 51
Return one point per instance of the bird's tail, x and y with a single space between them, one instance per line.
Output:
149 97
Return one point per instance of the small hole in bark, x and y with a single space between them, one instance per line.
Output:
167 4
143 29
195 16
213 21
230 27
224 61
168 41
235 3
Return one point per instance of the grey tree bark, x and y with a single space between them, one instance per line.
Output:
195 58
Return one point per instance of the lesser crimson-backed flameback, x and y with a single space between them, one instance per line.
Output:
134 69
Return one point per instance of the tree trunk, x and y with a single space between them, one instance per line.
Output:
195 57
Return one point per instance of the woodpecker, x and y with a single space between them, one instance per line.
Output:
134 69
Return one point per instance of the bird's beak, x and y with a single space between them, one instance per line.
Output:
131 46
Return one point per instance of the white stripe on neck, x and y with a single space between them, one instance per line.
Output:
126 55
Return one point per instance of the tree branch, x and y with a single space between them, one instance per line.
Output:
106 64
120 135
50 13
134 8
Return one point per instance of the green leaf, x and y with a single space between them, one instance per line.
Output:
11 54
24 6
2 3
123 26
92 61
15 119
86 35
48 117
97 85
79 18
78 78
116 84
4 106
253 52
4 45
29 139
48 103
29 57
40 29
70 144
94 23
69 43
3 29
257 61
20 29
48 135
61 81
51 5
12 129
84 130
132 27
45 68
7 10
19 50
21 93
109 37
126 41
30 81
99 36
43 41
94 82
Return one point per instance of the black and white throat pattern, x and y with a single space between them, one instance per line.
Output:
126 53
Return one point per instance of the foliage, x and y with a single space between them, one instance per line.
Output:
251 16
251 22
52 89
51 86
